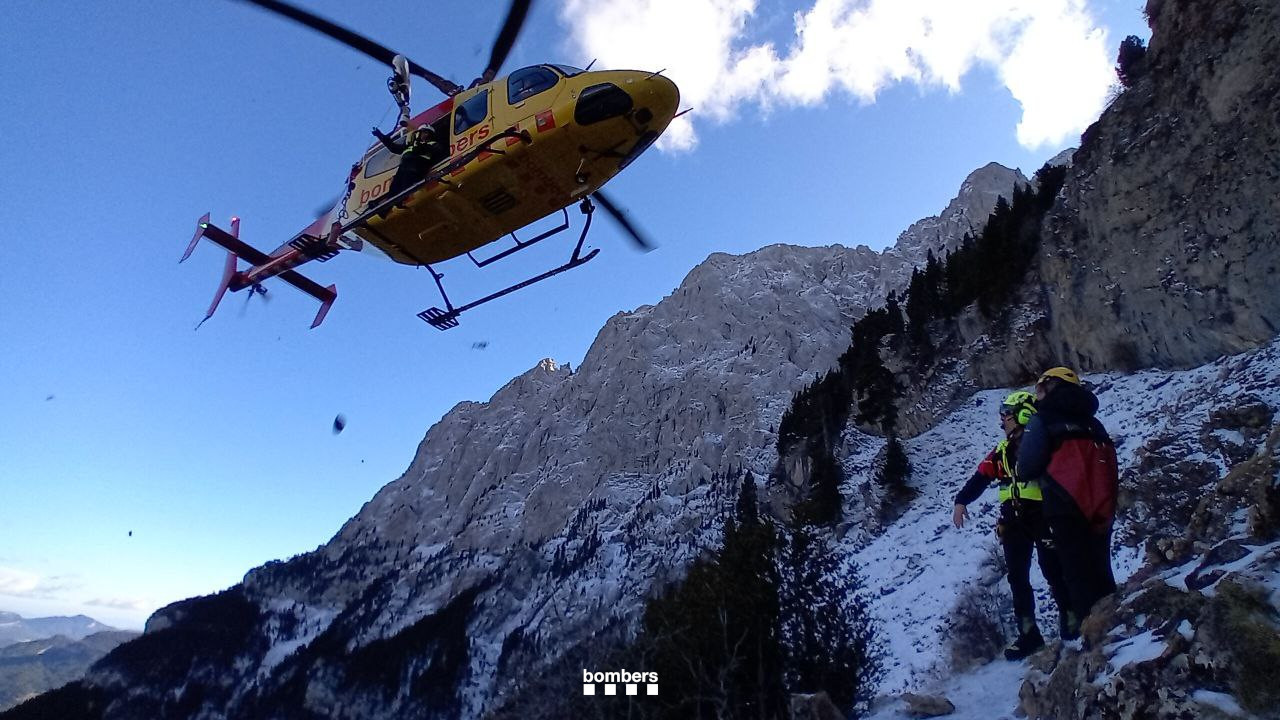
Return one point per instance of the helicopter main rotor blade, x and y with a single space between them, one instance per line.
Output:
324 209
354 40
516 15
636 236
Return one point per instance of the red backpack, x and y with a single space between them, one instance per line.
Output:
1087 469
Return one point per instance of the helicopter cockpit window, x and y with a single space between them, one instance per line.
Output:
525 83
471 113
569 70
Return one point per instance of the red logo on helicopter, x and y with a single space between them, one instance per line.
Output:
474 138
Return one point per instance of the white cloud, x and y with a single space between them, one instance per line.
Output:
1050 54
17 582
140 604
22 583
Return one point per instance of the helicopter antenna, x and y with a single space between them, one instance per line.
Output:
593 62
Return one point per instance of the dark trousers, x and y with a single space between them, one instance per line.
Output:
1086 560
412 169
1023 529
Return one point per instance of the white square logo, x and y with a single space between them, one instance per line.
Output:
632 688
589 689
652 689
610 689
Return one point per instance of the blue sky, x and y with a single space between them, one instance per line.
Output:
126 121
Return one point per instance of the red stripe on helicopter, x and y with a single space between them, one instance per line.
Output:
545 120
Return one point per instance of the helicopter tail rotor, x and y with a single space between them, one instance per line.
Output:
235 280
253 290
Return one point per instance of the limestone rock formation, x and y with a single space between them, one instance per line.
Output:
1169 225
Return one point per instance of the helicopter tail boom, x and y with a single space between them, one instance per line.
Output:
264 266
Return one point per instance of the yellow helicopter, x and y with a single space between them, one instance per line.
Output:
519 148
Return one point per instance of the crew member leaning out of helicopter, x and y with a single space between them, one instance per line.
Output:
417 154
1021 526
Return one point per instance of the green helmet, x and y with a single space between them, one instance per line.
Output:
1019 404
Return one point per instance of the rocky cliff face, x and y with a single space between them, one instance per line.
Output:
965 214
1160 248
1164 246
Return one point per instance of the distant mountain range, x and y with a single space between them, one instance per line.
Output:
39 654
15 629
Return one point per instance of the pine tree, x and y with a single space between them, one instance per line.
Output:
824 504
920 311
1129 60
747 510
894 473
893 314
713 638
828 639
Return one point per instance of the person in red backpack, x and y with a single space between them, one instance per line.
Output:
1021 528
1074 459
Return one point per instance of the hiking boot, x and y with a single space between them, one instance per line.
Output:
1024 646
1068 625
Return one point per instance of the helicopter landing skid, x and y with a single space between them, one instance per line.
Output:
443 319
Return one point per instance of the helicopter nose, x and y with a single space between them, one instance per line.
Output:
656 99
649 98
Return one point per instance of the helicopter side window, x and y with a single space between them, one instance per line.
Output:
381 161
524 84
471 113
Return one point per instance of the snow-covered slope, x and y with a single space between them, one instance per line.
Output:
919 566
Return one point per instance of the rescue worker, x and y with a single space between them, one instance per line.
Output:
1069 452
417 154
1021 527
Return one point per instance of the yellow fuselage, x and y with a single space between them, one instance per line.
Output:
579 130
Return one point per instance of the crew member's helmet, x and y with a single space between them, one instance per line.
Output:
1020 405
1061 373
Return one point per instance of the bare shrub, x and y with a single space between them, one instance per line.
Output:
979 622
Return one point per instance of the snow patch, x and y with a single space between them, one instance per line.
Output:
1220 701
